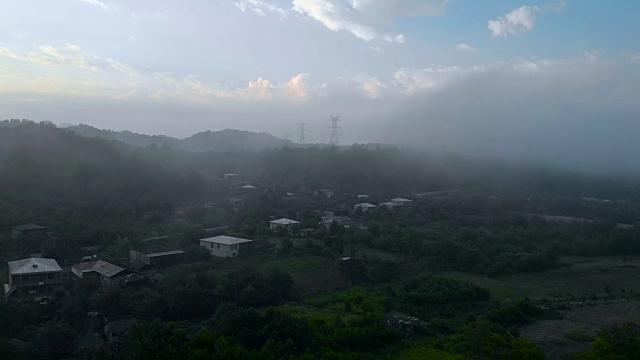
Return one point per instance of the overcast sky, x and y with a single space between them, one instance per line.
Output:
496 77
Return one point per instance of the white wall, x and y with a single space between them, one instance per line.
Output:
221 250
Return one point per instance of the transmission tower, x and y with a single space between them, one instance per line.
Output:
303 130
334 139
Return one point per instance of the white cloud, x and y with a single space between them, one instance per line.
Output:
362 18
260 7
412 80
520 20
98 4
123 68
126 95
465 47
47 55
370 84
296 87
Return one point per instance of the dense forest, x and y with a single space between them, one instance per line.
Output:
324 296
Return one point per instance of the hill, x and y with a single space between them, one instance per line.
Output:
217 141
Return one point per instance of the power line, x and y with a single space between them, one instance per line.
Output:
334 139
303 130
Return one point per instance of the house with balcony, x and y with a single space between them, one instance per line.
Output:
36 276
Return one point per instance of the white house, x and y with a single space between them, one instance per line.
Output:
362 197
401 202
290 225
225 246
364 207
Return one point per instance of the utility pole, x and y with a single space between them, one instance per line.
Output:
303 130
334 139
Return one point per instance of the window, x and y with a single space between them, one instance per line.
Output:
25 278
218 246
42 277
51 276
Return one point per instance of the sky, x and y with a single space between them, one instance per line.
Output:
550 79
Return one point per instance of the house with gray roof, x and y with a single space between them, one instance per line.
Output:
32 276
28 230
106 272
225 246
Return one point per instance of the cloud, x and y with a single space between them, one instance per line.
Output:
465 47
362 18
296 87
47 55
412 80
98 3
260 7
123 68
520 20
126 95
370 85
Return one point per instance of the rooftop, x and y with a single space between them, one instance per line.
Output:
367 205
400 200
284 221
101 267
404 319
247 187
29 227
226 240
158 250
33 266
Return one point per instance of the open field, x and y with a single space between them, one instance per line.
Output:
576 332
578 277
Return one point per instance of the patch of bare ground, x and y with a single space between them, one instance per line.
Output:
560 338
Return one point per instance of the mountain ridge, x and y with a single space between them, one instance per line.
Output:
216 141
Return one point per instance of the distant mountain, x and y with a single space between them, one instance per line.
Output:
217 141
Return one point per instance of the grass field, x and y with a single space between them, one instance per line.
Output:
578 277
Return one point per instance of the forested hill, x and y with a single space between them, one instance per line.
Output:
218 141
49 175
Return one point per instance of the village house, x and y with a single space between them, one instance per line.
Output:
28 230
236 203
291 226
306 232
106 272
225 246
401 202
230 176
363 197
406 324
387 205
343 221
33 276
364 207
248 187
155 256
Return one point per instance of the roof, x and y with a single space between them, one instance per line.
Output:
247 187
158 250
400 200
284 221
33 266
226 240
388 203
137 265
367 205
29 227
404 319
101 267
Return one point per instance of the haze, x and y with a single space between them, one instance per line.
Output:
550 81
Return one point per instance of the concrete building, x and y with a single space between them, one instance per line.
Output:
401 202
106 272
28 230
33 276
292 226
364 207
155 255
225 246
